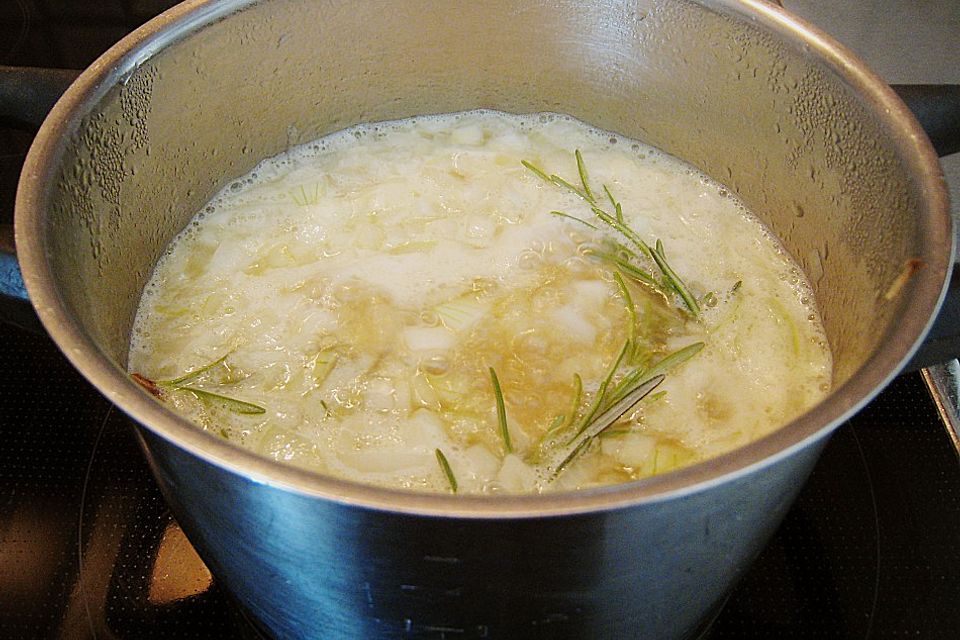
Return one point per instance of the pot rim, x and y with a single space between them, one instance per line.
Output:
40 172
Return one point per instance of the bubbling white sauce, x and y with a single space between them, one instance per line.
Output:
360 289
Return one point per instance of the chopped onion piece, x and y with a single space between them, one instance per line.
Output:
428 338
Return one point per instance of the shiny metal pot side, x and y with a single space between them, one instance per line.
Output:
812 141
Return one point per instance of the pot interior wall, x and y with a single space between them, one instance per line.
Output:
765 118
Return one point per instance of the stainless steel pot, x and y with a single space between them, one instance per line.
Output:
810 139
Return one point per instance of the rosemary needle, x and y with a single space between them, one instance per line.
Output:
580 220
501 411
231 404
628 303
192 375
558 421
447 471
613 202
584 179
532 167
577 394
676 358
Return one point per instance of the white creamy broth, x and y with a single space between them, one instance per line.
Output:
346 306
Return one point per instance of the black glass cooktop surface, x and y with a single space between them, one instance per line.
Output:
88 548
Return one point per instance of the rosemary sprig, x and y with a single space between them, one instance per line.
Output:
447 471
604 420
613 404
617 223
501 411
183 383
